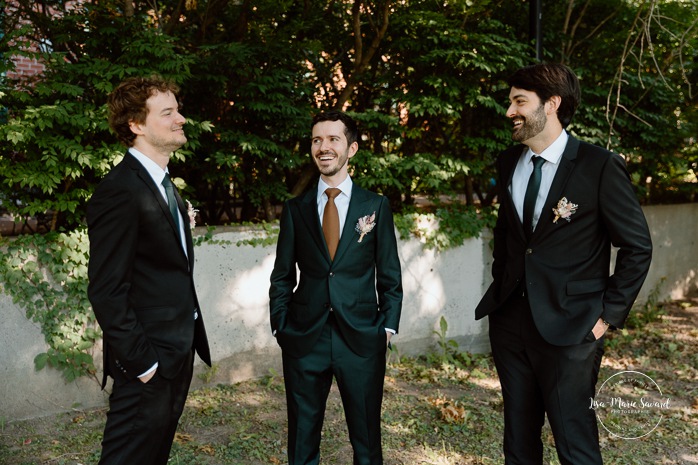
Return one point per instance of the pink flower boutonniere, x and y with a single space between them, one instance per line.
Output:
191 211
365 225
564 210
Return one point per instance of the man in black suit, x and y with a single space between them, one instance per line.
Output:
563 203
141 282
340 317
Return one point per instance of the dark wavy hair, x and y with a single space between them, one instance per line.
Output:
547 80
351 129
127 103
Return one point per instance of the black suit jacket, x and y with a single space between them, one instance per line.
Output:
564 267
141 281
362 286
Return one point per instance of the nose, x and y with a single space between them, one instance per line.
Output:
325 145
180 119
511 111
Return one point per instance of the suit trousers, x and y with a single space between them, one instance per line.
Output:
143 417
308 380
538 378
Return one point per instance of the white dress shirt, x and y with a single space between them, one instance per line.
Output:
523 171
341 201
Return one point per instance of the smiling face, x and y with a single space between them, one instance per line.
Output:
331 151
527 114
161 133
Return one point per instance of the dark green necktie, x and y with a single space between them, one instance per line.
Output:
532 194
171 201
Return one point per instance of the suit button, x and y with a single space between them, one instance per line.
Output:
529 251
331 275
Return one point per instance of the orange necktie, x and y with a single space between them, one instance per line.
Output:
330 221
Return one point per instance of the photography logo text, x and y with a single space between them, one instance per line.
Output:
630 405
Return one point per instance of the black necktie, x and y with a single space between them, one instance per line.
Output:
532 194
171 201
330 221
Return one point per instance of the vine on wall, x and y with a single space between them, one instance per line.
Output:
46 275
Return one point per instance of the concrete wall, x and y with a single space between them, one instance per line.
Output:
233 283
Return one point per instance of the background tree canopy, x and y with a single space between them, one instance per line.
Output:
425 78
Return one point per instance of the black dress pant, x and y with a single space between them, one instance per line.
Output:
143 417
538 378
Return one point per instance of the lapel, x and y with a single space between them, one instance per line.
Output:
562 175
308 211
359 197
186 227
148 180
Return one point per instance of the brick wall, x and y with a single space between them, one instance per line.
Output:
25 67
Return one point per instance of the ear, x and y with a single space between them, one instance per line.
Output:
553 104
353 148
135 128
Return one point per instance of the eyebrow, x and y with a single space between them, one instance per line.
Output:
514 97
329 135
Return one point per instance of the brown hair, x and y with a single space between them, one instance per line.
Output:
127 103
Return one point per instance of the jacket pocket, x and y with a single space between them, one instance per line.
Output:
150 314
586 286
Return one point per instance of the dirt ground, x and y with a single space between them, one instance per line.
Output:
441 409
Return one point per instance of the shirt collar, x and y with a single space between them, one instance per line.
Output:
153 169
345 186
553 153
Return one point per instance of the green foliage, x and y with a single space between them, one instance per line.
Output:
265 235
450 358
447 227
650 311
207 238
426 81
47 276
209 373
447 347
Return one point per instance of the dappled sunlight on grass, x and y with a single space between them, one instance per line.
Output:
444 408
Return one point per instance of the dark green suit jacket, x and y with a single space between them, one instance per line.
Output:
362 286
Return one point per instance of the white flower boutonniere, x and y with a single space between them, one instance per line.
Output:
564 210
191 211
365 225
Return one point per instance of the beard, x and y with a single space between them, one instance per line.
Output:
169 144
532 125
335 168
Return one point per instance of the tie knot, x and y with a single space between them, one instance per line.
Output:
537 161
166 180
332 192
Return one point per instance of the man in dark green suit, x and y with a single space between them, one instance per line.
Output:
338 318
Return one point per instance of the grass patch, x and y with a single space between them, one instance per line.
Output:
444 408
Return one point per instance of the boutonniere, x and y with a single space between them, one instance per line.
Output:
564 210
191 211
365 225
